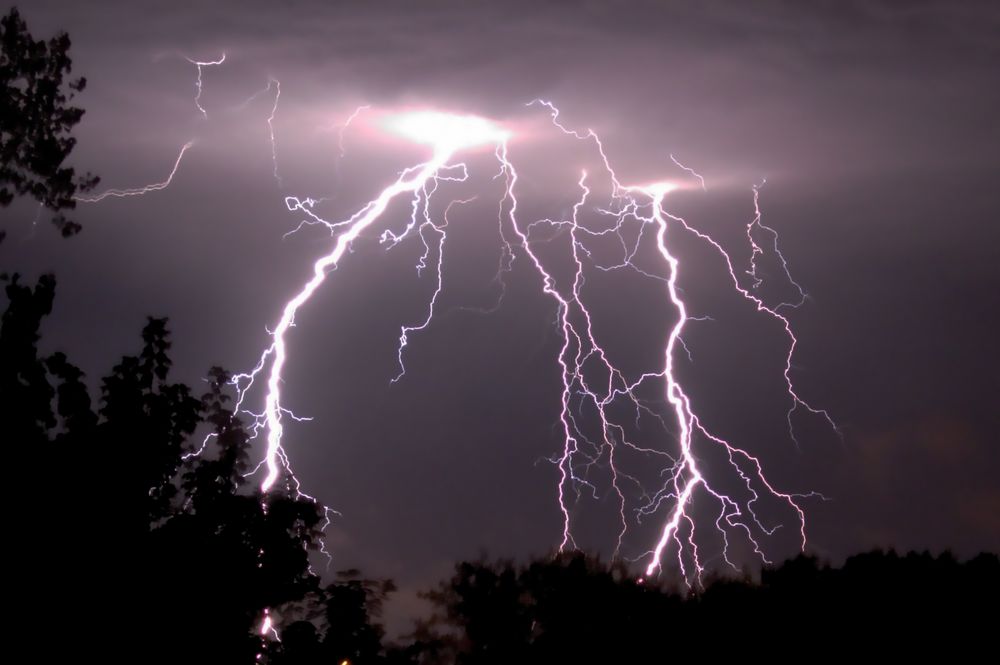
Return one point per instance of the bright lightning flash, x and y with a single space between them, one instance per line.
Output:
447 134
685 480
445 131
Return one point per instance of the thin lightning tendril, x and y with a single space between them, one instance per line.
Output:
198 83
145 189
155 187
690 170
270 127
347 124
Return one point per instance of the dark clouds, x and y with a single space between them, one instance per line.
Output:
875 124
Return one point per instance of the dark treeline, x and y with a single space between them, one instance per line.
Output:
189 555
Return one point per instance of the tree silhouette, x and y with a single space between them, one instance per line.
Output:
148 490
35 120
186 540
571 608
191 555
341 624
223 554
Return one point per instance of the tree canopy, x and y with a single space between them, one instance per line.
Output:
148 486
35 121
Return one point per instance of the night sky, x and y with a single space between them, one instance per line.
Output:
874 124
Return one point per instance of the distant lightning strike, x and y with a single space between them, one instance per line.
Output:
685 480
688 476
684 473
446 134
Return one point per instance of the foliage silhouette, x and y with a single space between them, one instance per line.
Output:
342 624
573 609
35 120
217 553
182 536
211 554
183 543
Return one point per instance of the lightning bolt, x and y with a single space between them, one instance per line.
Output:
447 134
686 480
601 406
580 452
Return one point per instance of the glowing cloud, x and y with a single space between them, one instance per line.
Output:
445 131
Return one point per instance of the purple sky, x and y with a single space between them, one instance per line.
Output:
875 127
